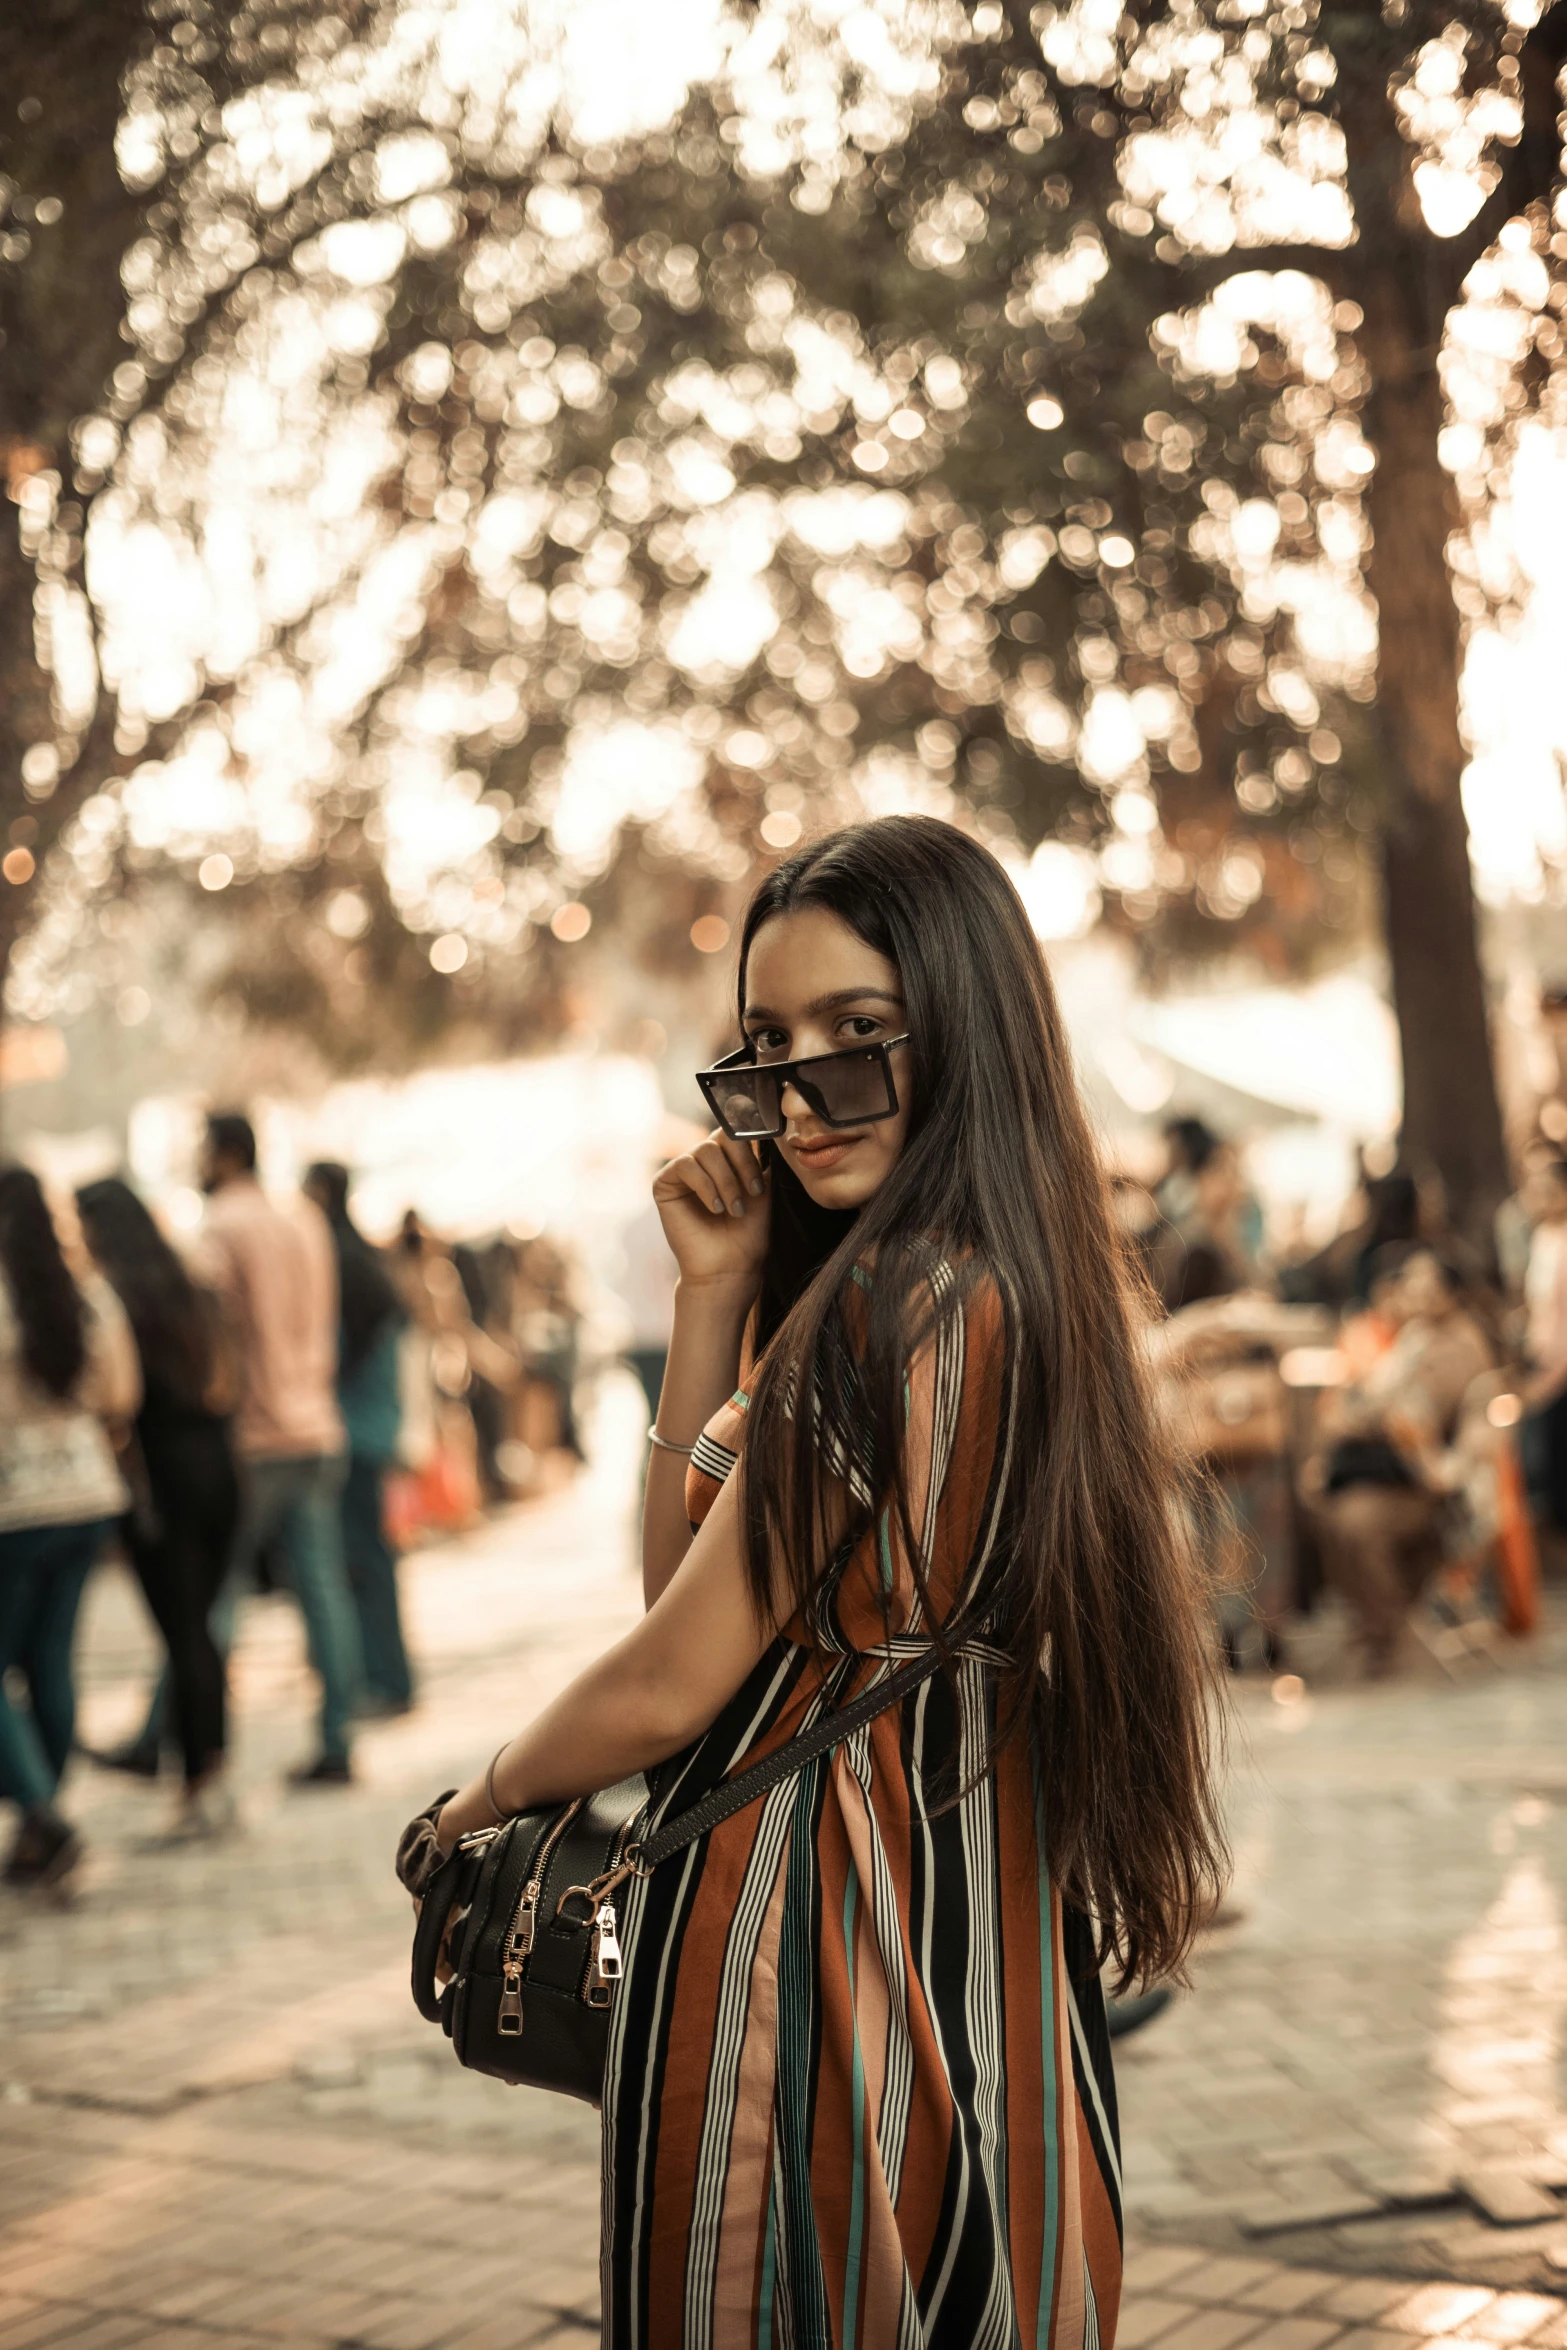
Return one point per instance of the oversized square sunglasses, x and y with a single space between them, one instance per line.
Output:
851 1088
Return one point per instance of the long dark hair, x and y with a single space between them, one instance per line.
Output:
1098 1606
50 1309
368 1301
175 1326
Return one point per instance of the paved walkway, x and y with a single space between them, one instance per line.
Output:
1370 2066
221 2122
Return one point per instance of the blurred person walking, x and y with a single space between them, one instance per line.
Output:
487 1275
1188 1144
882 1977
372 1318
549 1320
67 1368
185 1507
1210 1241
274 1266
442 1351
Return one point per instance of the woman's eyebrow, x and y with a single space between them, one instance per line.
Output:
834 1002
854 995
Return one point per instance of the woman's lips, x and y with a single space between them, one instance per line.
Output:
818 1157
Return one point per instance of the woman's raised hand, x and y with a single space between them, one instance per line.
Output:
713 1204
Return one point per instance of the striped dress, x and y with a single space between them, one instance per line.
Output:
859 2093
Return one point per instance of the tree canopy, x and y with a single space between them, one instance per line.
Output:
532 467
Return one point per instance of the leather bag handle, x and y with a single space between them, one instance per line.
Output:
429 1932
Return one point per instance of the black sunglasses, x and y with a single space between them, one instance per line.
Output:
852 1088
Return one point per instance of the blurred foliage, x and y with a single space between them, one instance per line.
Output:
65 222
505 497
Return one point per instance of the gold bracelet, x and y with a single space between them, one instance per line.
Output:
501 1817
664 1444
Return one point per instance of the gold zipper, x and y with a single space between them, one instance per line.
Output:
606 1960
606 1944
519 1939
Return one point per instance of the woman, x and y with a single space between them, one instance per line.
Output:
371 1322
548 1320
180 1532
67 1365
1380 1488
1211 1241
859 2089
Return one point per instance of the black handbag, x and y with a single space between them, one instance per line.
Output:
1365 1460
533 1909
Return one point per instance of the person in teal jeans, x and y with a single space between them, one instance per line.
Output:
369 1400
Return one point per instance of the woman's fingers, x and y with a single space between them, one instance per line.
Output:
724 1175
688 1174
742 1157
728 1195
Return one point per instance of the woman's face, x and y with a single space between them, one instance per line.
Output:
812 985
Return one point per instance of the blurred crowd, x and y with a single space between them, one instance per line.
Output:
283 1404
1384 1417
280 1405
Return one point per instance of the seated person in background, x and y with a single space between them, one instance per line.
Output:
1367 1334
1377 1486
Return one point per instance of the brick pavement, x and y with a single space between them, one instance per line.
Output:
1371 2065
222 2123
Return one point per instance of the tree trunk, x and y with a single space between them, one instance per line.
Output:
62 69
1452 1119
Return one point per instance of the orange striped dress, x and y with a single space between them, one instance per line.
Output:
859 2090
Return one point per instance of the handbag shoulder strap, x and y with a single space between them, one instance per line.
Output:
732 1795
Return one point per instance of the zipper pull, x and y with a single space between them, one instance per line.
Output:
509 2021
606 1944
520 1940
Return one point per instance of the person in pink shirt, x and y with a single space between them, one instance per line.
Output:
273 1264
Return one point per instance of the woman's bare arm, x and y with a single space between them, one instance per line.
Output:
646 1698
702 1373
